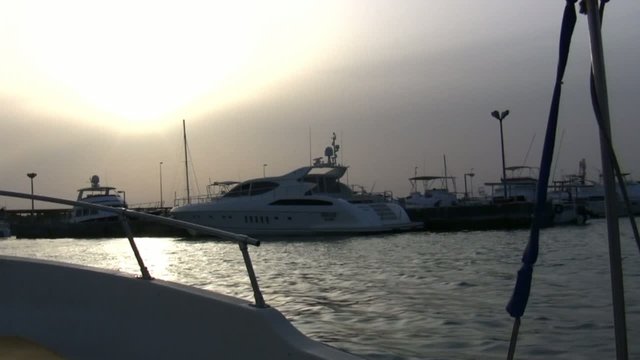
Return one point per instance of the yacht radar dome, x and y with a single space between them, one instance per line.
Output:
95 181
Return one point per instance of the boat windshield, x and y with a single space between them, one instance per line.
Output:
335 172
251 189
325 185
326 180
96 192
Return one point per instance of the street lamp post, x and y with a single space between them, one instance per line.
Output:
500 117
264 174
31 176
161 200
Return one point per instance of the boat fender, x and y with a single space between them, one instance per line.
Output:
558 209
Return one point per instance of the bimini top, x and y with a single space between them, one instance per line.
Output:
96 190
95 185
429 178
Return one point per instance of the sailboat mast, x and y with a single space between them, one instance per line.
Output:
613 231
186 162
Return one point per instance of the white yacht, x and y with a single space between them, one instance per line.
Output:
520 184
593 195
307 201
433 194
99 195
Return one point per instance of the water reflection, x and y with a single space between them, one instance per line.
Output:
402 296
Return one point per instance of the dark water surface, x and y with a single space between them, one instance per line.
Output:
405 296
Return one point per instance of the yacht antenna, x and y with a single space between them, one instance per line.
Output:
310 156
333 158
342 141
186 162
446 183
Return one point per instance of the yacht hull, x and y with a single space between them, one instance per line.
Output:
341 217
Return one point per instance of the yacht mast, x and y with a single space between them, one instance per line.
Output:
613 231
186 162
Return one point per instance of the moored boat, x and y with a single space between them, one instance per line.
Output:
593 196
96 194
440 210
86 222
310 200
435 193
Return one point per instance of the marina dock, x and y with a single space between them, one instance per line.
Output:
510 215
53 223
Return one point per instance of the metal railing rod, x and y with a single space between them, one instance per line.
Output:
124 214
127 230
226 235
257 294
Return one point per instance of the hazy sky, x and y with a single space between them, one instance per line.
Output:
102 88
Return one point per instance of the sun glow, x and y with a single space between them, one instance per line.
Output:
142 63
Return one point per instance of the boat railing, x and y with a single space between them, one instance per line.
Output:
124 214
196 199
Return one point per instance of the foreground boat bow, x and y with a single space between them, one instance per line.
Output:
82 312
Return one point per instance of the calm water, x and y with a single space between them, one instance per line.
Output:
405 296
